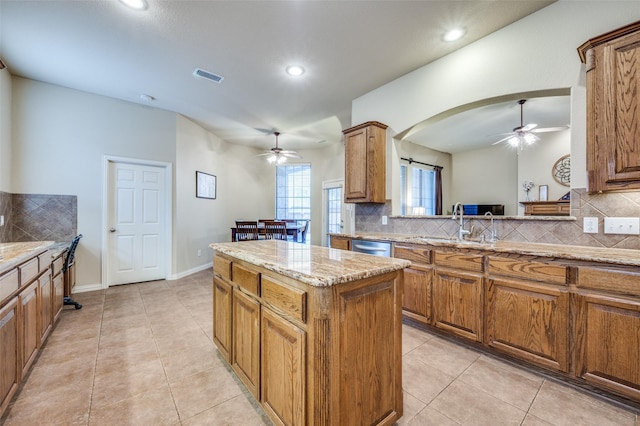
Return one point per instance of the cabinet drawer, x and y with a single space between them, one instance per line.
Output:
527 269
610 279
288 299
222 267
57 264
28 271
44 261
466 261
414 253
8 284
245 278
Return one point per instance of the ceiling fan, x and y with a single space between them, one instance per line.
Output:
522 135
278 155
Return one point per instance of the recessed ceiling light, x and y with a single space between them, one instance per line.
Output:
295 70
135 4
454 34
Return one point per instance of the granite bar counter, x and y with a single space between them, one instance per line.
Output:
313 333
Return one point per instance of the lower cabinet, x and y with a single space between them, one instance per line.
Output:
222 298
608 342
46 305
9 353
30 337
57 284
416 297
283 369
245 354
457 303
342 243
529 320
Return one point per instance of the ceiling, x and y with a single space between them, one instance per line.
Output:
481 125
348 48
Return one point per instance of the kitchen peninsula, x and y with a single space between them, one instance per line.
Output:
314 333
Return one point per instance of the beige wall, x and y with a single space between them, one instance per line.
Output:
59 139
5 130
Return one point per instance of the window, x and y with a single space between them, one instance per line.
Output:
293 191
418 191
334 211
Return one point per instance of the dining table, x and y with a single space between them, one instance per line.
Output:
293 228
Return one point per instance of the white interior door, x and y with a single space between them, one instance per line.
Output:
136 222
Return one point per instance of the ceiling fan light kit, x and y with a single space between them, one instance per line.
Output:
277 155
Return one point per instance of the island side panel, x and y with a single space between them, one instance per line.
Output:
366 338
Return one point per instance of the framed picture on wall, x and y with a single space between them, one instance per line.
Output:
205 185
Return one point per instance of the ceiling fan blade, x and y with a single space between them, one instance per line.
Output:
503 139
550 129
291 154
529 127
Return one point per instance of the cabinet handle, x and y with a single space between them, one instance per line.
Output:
112 230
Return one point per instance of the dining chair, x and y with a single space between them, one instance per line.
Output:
275 230
303 229
246 230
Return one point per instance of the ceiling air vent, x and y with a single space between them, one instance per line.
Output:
208 75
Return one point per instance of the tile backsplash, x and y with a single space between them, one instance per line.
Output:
561 230
38 217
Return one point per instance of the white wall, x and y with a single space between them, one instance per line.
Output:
536 53
245 188
485 176
59 139
5 131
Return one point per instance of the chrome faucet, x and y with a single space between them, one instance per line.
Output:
493 237
461 231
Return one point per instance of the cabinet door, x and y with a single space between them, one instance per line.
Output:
9 350
29 328
608 343
613 134
457 303
46 306
245 353
58 296
356 165
530 321
222 294
283 369
416 299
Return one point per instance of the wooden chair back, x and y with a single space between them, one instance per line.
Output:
275 230
246 230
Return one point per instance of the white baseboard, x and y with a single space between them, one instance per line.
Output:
86 288
191 271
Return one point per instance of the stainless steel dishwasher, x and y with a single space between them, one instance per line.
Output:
376 248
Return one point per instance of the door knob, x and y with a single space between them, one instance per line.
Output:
112 230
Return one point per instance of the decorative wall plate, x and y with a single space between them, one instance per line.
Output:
561 170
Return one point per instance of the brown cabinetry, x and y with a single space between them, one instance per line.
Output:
546 208
365 163
283 369
222 297
342 243
613 135
46 305
416 298
457 294
312 354
245 355
29 327
10 370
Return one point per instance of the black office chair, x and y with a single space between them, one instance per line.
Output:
68 262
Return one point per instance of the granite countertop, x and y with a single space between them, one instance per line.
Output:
12 254
313 265
562 251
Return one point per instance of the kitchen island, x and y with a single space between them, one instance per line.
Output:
314 333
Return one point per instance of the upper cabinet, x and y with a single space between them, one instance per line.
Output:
613 104
365 163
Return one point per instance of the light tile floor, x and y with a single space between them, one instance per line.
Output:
142 354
